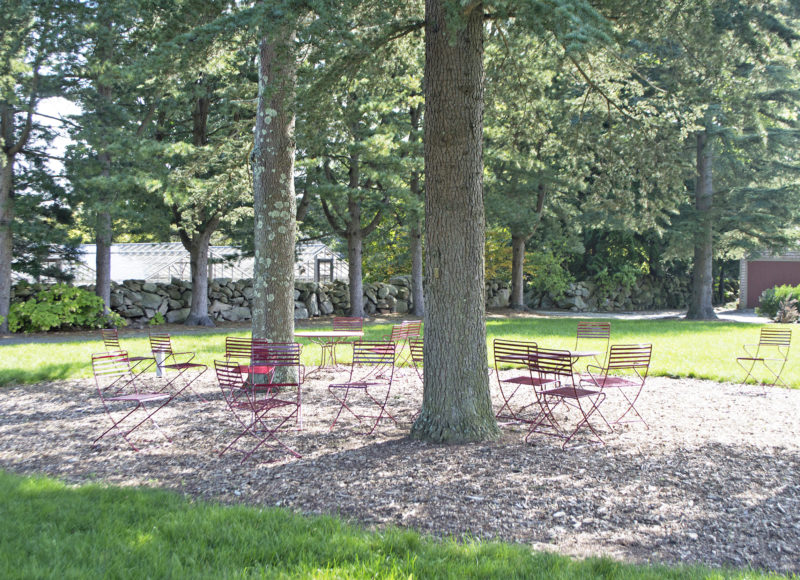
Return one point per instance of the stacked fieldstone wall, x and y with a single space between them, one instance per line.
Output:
139 301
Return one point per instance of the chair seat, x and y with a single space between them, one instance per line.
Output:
186 365
140 397
530 381
256 369
609 381
569 392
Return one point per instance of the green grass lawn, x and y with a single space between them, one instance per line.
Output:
680 348
51 530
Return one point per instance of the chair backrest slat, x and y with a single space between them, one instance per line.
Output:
110 364
552 363
110 339
236 347
351 323
514 352
413 328
228 374
592 329
160 342
775 337
373 353
417 350
628 356
278 353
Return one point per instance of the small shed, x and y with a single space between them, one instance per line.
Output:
758 273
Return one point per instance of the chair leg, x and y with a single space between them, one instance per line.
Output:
116 423
382 406
595 403
188 380
631 407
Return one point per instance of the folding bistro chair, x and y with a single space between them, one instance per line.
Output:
346 323
180 362
772 352
594 335
116 385
515 354
260 411
371 373
553 369
111 343
626 372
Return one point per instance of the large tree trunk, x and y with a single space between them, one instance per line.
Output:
273 192
456 403
700 306
6 232
517 267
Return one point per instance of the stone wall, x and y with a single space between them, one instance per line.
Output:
646 294
139 301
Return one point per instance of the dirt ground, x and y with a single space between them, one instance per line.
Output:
714 480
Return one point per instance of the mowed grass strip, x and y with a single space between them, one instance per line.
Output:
51 530
681 348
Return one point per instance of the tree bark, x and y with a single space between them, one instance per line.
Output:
415 247
197 245
700 306
196 242
456 403
415 231
355 253
517 267
6 234
353 232
273 191
103 240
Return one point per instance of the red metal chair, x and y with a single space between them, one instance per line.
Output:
117 387
111 343
515 354
346 323
594 335
260 411
626 372
180 362
771 352
557 391
371 373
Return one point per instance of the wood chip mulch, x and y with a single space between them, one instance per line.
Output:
715 480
